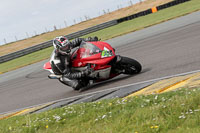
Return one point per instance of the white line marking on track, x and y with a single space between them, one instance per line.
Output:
114 88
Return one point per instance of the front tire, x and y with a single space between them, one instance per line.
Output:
130 66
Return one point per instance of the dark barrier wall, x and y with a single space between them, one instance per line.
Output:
149 11
139 14
86 31
175 2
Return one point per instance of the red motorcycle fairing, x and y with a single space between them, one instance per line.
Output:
91 53
98 53
47 66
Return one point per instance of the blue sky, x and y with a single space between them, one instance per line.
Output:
18 17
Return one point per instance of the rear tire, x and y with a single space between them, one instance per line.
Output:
130 66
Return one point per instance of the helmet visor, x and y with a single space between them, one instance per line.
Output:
64 48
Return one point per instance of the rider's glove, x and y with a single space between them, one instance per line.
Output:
91 39
96 38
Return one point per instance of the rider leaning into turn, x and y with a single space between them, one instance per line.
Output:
61 64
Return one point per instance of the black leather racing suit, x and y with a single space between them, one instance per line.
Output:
61 65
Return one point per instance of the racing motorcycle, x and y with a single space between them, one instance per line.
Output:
100 57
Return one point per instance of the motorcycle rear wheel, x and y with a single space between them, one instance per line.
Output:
130 66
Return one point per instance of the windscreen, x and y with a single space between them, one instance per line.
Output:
88 49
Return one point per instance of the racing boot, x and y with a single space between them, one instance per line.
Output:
74 83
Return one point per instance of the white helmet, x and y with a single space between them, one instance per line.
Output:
61 44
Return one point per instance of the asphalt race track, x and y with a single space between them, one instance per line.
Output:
166 49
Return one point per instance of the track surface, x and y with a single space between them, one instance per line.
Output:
166 49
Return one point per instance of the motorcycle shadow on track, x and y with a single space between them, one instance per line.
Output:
111 81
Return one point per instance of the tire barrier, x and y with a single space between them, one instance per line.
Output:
172 3
47 44
152 10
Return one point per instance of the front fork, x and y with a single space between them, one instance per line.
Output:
115 63
118 58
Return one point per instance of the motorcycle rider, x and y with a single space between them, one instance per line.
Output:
61 64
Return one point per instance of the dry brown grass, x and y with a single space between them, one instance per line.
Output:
12 47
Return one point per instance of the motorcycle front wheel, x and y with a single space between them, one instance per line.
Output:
130 66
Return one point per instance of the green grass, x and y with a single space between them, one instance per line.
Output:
111 32
26 60
174 112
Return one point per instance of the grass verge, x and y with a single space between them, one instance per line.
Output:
120 29
25 60
174 112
